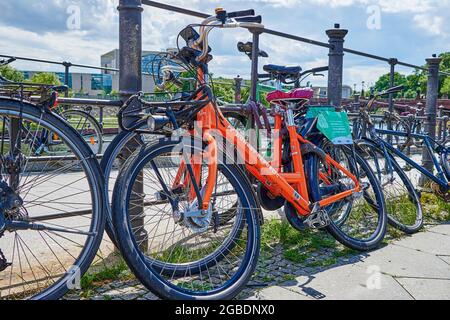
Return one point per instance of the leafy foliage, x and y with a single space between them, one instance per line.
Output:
12 74
416 83
46 78
445 89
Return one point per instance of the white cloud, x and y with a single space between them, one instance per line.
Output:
432 24
396 6
369 74
68 46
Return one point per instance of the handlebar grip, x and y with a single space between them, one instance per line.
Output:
397 88
243 13
257 19
394 90
320 69
6 62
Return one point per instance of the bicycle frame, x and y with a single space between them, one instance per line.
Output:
291 186
440 178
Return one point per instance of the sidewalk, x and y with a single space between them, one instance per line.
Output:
417 267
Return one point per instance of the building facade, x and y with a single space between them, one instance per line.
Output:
322 92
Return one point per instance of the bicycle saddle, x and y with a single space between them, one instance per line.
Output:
282 70
297 96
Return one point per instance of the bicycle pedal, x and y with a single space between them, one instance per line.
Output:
318 220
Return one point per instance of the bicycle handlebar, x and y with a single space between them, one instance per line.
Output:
320 69
4 62
222 19
243 13
392 90
255 19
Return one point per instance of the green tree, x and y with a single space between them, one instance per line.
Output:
46 78
384 83
417 81
445 80
445 89
224 89
12 74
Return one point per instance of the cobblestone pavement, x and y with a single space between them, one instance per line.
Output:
415 267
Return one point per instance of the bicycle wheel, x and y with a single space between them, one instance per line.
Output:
87 126
402 201
51 219
174 254
358 222
120 148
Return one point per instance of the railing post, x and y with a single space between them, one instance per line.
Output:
430 111
392 63
130 47
238 89
335 63
439 126
101 116
255 59
130 82
67 66
252 136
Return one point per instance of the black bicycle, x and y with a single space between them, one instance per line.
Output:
51 202
389 163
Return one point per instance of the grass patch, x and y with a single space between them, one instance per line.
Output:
295 255
298 247
435 208
323 262
106 274
288 277
402 208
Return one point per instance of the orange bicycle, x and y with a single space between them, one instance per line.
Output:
199 217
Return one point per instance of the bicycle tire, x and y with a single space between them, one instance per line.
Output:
139 263
336 229
88 163
89 118
372 150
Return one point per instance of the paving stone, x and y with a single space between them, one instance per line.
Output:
445 259
427 289
443 229
279 293
113 293
129 296
429 242
404 262
150 296
346 283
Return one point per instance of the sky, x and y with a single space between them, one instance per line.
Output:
81 30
